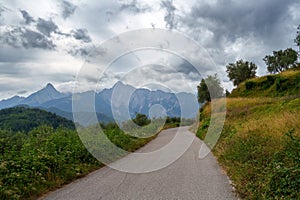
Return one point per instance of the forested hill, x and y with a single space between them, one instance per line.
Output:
25 119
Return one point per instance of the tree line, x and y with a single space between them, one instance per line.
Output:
240 71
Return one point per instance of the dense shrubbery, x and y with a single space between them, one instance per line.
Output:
46 158
41 160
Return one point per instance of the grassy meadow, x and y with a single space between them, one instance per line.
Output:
259 147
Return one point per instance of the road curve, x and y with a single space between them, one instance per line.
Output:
187 178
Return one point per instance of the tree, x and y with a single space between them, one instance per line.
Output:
281 60
297 39
141 119
240 71
209 88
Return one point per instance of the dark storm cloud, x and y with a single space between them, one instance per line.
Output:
232 19
135 7
170 13
82 52
68 9
46 26
28 19
23 37
2 9
22 92
81 34
185 67
34 39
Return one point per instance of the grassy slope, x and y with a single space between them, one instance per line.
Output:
260 144
278 85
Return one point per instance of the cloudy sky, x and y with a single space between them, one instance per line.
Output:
49 40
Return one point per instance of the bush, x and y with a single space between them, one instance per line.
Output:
44 159
249 85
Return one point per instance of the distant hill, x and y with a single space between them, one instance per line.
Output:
8 103
278 85
26 119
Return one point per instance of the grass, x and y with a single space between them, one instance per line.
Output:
259 146
284 84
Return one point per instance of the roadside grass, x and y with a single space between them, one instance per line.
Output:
259 146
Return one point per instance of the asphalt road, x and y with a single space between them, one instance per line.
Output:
187 178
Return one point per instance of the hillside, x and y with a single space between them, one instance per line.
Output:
278 85
260 142
26 119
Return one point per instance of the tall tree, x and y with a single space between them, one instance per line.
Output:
210 88
281 60
241 71
297 39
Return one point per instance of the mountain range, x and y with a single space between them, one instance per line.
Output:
121 101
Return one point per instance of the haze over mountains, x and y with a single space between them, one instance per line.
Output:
111 102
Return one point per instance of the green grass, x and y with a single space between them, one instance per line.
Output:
279 85
259 146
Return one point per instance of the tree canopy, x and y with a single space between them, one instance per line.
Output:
209 88
141 119
297 39
241 71
26 119
281 60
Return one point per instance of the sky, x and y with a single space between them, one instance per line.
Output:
49 40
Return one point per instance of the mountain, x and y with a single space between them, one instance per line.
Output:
121 101
7 103
46 94
26 119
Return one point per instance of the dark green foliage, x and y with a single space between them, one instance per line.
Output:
250 85
202 130
280 84
141 119
227 93
240 71
269 82
203 93
43 160
297 39
285 170
26 119
170 120
284 84
281 60
209 88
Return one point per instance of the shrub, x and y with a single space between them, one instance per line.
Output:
250 85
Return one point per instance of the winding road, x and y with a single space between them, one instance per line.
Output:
187 178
